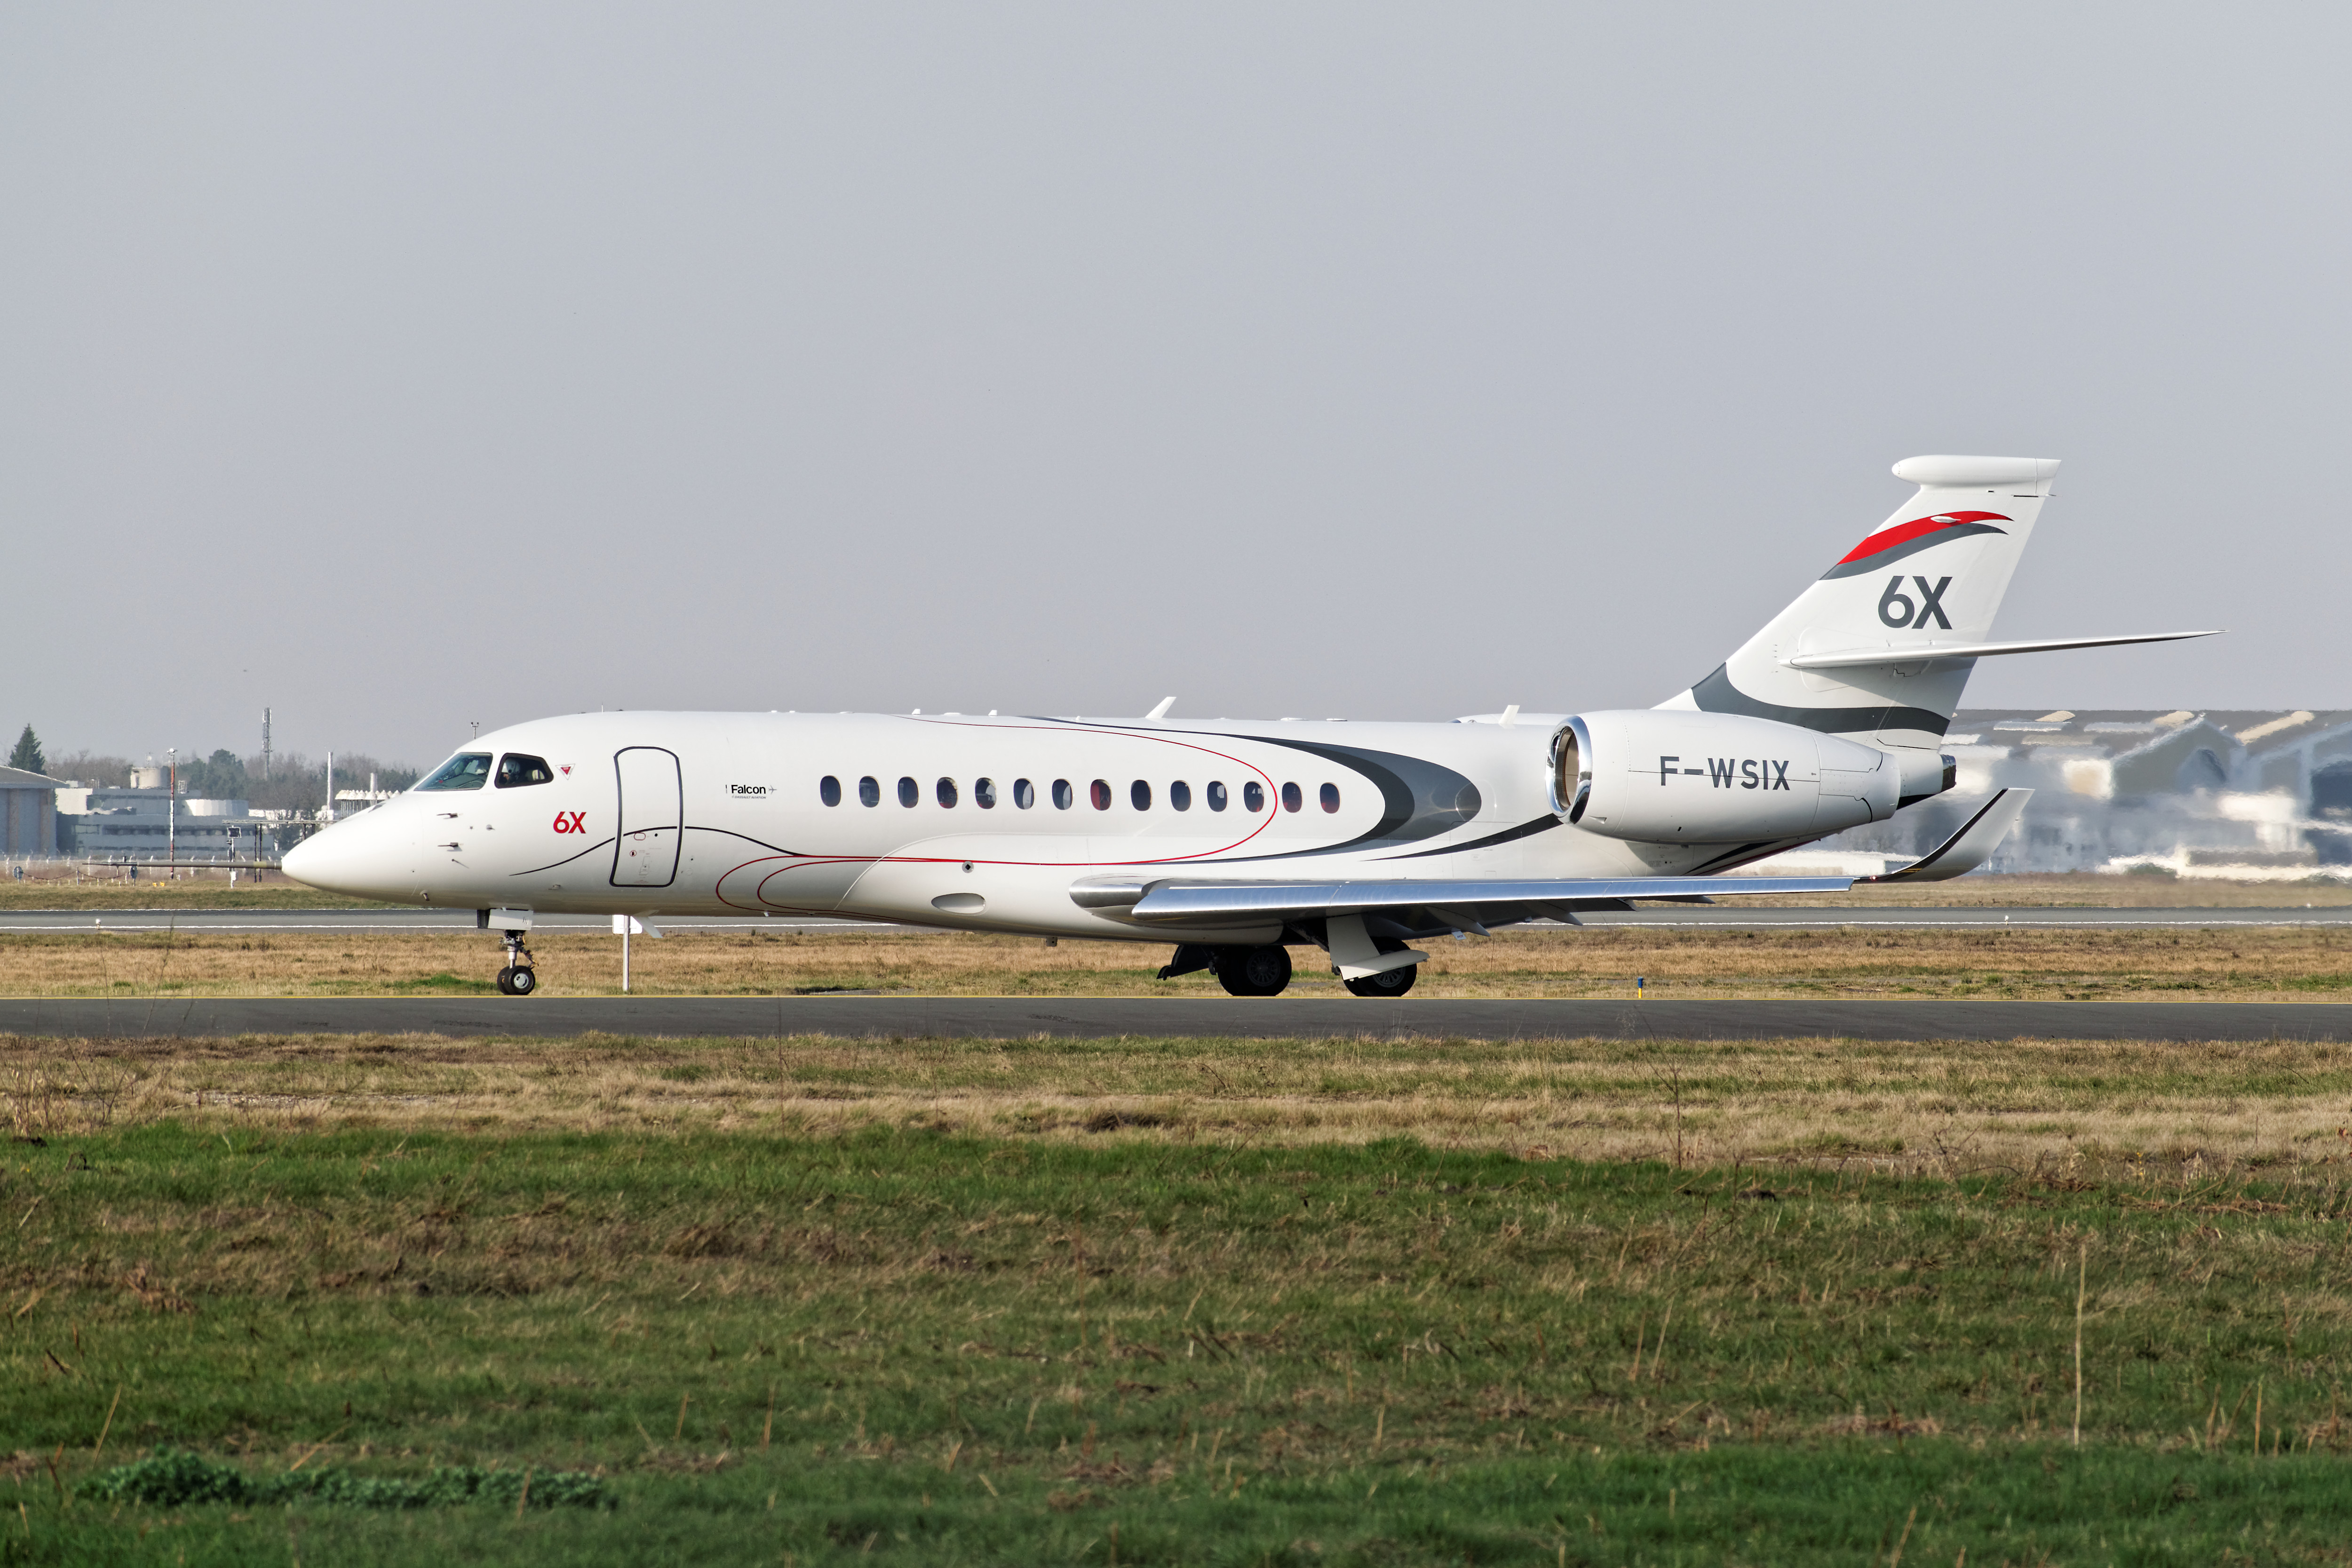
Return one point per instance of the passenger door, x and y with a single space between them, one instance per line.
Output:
652 817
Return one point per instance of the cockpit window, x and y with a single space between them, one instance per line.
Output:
515 770
466 770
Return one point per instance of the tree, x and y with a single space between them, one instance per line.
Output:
220 776
27 754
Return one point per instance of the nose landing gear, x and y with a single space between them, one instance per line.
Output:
518 978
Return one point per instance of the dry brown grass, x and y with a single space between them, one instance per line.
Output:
2165 963
190 890
1942 1106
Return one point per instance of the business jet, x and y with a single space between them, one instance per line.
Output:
1238 842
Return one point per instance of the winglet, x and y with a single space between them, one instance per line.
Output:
1161 711
1968 849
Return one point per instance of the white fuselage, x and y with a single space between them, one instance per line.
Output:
655 813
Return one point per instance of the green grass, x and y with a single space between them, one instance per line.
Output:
1842 1503
441 983
926 1346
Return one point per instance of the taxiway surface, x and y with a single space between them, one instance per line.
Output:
1002 1017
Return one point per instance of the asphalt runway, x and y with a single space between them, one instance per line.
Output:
1106 1017
1746 915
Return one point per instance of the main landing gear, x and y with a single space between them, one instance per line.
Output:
1387 982
1252 971
1242 971
518 978
1265 970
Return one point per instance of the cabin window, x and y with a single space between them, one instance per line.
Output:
1291 799
910 792
1180 795
1099 792
948 793
1253 796
869 792
828 790
1022 796
1216 794
1062 795
1330 798
983 793
515 770
1140 794
466 770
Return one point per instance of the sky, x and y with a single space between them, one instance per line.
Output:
403 367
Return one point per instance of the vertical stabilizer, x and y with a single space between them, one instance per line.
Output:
1932 573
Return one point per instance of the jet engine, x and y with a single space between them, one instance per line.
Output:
1665 775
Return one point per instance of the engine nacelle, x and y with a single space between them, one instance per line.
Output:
1668 775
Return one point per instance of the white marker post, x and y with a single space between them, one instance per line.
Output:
625 927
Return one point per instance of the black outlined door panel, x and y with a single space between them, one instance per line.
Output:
652 817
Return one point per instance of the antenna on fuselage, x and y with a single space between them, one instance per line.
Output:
1161 711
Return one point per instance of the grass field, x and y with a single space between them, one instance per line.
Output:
212 889
1184 1301
2303 963
207 890
1897 1107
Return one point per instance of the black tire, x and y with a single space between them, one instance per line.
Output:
1387 982
506 982
521 980
1253 971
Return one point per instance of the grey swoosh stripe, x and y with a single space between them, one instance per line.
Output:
1715 694
1524 830
1895 552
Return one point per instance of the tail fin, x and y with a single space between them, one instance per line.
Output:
1933 573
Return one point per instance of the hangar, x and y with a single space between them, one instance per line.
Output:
29 813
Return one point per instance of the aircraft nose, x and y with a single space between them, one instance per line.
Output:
336 860
311 862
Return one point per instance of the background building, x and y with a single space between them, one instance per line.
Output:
29 813
141 823
2235 794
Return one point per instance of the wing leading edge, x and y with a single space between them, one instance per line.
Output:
1172 901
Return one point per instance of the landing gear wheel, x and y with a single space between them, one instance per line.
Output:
1387 982
517 979
1253 971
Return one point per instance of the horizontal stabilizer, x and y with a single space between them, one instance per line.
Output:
1925 652
1176 902
1968 849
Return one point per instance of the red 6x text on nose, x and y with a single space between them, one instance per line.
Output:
571 822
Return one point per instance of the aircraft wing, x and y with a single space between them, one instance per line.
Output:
1175 902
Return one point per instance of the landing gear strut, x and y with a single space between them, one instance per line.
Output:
1253 971
518 978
